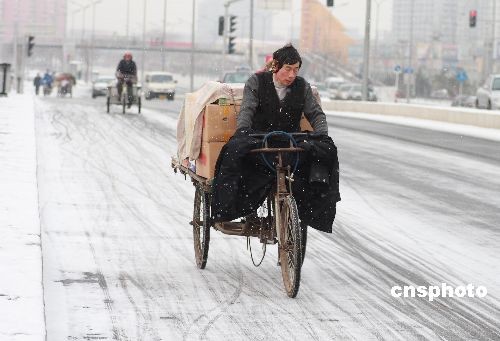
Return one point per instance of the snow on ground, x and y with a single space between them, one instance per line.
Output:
21 295
459 129
118 248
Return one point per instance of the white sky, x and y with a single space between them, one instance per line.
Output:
350 12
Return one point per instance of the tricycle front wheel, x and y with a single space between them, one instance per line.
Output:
290 251
201 226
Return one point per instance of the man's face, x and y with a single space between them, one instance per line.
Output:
128 57
287 74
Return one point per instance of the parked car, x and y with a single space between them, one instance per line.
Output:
159 84
238 76
353 92
100 85
322 90
333 84
488 96
440 94
464 101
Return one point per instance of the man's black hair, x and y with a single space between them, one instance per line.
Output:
286 55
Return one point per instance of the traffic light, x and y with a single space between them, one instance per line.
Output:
231 45
232 27
221 25
31 44
232 24
472 18
329 3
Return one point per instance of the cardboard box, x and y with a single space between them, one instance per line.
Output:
205 164
304 124
219 122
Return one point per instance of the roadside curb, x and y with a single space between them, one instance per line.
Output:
473 117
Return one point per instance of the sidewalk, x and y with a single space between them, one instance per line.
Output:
21 291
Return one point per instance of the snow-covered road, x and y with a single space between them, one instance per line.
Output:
118 258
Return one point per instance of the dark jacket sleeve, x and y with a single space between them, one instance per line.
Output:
135 68
314 113
249 103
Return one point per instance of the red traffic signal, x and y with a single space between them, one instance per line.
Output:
472 18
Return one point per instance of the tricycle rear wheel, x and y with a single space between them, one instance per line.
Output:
201 226
290 251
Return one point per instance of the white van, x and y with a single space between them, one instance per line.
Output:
488 96
159 84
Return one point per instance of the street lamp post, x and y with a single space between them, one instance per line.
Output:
143 40
191 75
494 52
82 33
163 35
410 55
128 20
375 50
80 8
366 52
92 38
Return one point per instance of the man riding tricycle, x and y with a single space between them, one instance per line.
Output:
270 180
126 74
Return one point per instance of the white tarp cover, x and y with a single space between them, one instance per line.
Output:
189 124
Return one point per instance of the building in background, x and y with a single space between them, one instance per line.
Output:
434 22
322 33
442 37
432 19
44 19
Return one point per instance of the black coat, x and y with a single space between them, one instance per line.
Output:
242 181
127 67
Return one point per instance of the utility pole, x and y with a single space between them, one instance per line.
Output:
494 51
191 80
82 33
143 40
14 47
92 38
163 35
224 37
128 20
410 55
375 50
366 52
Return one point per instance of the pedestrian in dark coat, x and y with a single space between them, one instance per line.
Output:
37 81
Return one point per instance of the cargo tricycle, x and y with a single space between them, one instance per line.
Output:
114 97
276 221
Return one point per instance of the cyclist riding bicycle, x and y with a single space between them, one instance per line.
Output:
126 72
275 101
